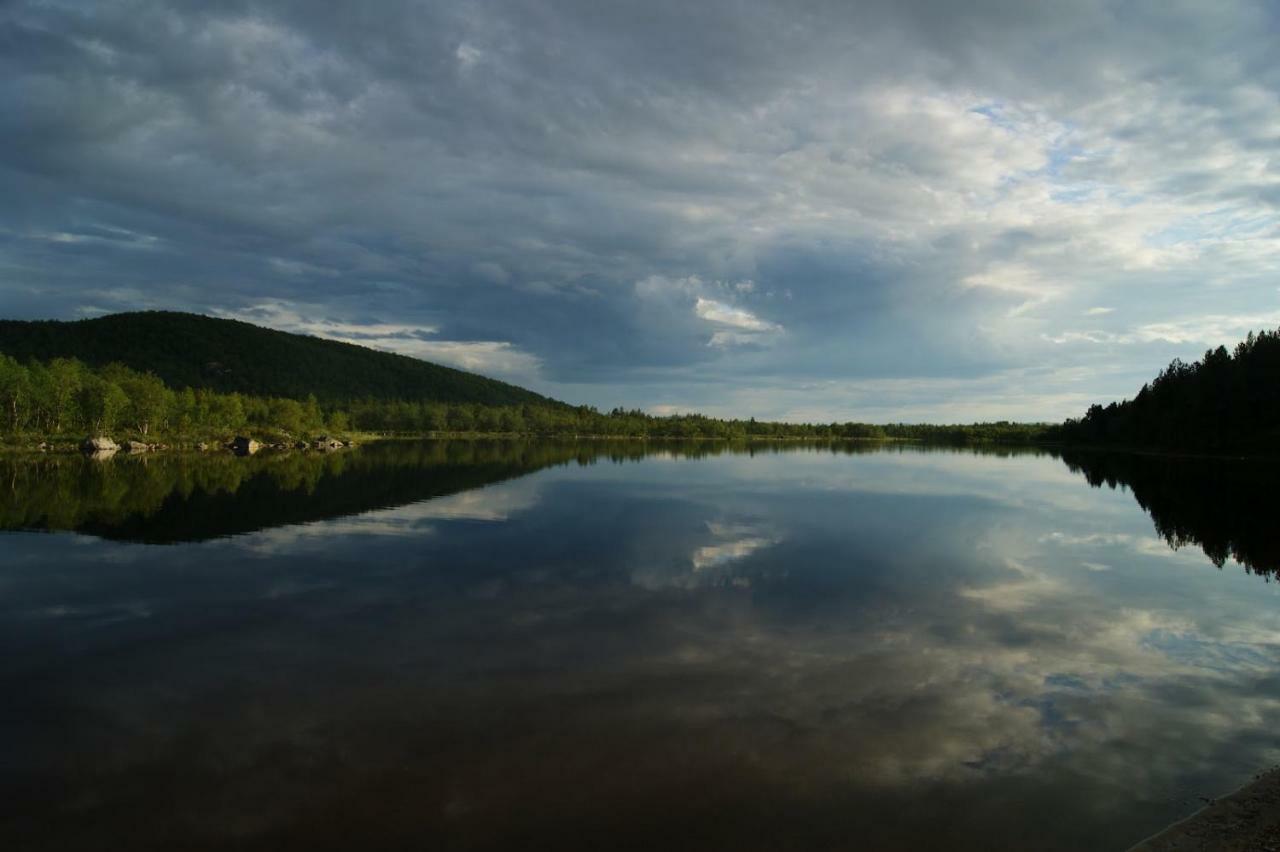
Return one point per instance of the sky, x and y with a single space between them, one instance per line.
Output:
906 210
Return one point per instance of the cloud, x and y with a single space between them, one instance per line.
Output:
1204 330
909 190
734 326
491 357
496 357
493 504
727 315
722 562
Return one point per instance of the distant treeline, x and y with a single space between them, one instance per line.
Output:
1227 401
66 398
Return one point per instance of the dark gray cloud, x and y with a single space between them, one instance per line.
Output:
872 210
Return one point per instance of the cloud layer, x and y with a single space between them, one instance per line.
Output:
898 210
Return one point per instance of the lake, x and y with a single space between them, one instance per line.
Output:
517 645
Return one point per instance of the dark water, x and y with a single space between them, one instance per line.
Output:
520 646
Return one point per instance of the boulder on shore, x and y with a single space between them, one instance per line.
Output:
98 444
244 446
134 447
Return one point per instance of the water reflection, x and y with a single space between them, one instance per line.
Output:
193 497
1218 505
810 650
1222 506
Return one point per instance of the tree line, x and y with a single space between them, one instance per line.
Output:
65 398
1226 401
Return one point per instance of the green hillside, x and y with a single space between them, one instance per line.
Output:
188 350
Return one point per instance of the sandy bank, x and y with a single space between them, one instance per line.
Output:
1248 819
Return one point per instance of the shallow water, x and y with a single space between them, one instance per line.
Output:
519 645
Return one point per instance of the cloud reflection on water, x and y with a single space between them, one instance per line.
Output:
721 646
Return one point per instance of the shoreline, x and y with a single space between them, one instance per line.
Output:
63 446
1245 820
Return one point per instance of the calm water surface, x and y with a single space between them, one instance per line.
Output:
517 646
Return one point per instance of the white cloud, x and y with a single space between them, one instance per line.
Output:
482 356
1207 330
737 318
734 326
715 564
490 357
468 55
285 316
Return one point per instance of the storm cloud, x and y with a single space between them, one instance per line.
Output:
871 211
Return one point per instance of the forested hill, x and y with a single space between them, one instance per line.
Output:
1229 401
188 350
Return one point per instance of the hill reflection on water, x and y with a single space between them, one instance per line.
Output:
185 497
1218 505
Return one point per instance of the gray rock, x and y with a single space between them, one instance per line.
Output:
98 444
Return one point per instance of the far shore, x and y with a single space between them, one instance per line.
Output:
64 444
1245 821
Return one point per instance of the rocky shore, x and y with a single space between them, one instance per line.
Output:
102 446
1248 820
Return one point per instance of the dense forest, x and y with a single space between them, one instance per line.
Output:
66 399
192 351
1227 401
